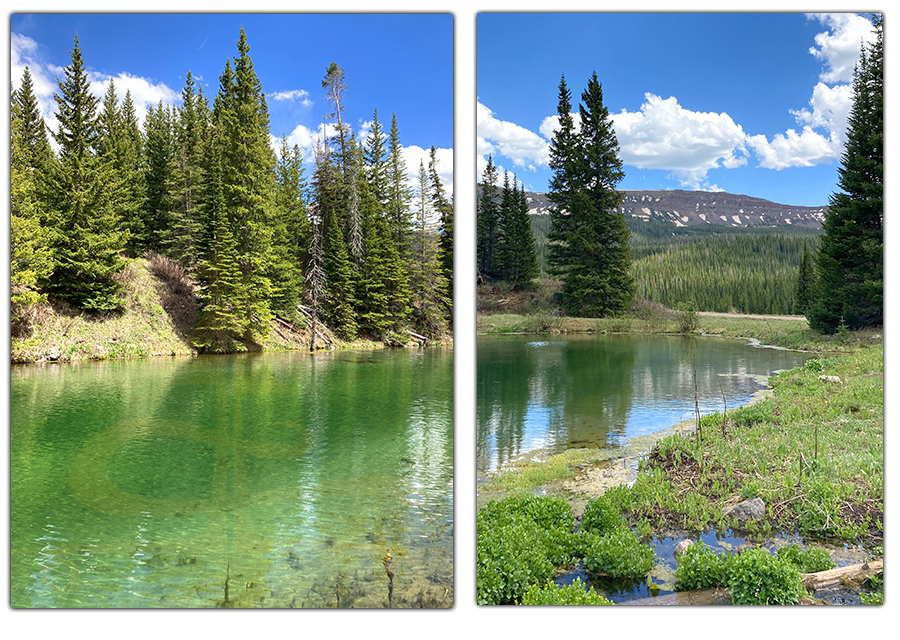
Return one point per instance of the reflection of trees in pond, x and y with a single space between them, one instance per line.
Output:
549 394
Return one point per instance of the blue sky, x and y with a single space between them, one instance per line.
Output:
395 63
753 104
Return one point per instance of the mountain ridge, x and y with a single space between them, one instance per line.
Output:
691 208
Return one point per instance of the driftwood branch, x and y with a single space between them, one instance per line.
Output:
837 577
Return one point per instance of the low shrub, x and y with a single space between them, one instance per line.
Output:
551 594
601 517
618 554
757 577
807 560
699 567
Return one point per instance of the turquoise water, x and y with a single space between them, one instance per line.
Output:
272 480
597 391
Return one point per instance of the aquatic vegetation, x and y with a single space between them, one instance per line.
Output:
551 594
601 516
618 554
699 567
757 577
809 560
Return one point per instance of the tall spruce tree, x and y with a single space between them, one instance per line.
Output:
516 247
426 277
160 178
376 163
399 195
592 252
806 284
850 261
443 207
486 219
83 221
31 132
291 230
248 179
30 257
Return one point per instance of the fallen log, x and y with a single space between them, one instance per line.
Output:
855 573
421 339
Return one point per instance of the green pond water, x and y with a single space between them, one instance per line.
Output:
553 393
272 480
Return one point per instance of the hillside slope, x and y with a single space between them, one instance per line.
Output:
690 208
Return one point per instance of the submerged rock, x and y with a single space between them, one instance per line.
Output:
682 546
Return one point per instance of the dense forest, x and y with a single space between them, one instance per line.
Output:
350 244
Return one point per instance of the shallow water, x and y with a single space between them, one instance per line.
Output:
274 480
598 391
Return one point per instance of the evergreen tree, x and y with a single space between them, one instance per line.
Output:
248 178
516 249
120 145
850 261
183 240
160 179
399 196
31 132
486 222
806 284
426 277
563 152
220 321
84 225
376 163
593 237
444 209
291 229
30 257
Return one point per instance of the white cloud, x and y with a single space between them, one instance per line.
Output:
664 135
839 48
525 148
295 94
413 155
144 92
792 149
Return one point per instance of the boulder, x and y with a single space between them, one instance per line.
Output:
682 546
752 509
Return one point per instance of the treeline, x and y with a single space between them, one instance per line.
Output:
715 268
200 184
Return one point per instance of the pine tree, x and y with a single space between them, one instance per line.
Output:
30 257
291 230
593 237
399 196
248 178
444 209
426 277
160 179
31 132
84 225
488 213
562 156
376 163
806 284
850 261
120 145
183 240
516 249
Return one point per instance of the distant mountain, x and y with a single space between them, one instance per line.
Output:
690 208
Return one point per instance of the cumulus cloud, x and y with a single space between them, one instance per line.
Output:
792 149
525 148
24 51
413 155
839 47
665 135
301 95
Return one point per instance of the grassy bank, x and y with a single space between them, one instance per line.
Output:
159 312
502 310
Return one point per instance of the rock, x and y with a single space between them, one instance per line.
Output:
834 379
752 509
682 546
54 354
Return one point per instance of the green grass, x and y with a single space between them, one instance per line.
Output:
814 452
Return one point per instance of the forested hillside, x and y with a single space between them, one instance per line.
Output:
714 268
346 239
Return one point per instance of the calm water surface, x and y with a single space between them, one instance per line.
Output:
275 480
560 392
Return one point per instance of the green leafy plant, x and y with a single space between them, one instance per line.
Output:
575 593
617 554
699 567
807 560
757 577
601 516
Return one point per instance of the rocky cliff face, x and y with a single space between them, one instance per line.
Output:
687 208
